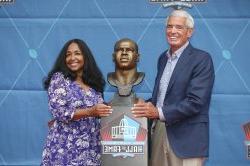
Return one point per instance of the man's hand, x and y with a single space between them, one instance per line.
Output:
147 110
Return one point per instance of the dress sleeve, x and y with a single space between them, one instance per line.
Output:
59 98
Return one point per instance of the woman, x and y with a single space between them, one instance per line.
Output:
75 86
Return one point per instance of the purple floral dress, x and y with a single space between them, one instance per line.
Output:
70 142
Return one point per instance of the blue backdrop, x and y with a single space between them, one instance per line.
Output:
33 31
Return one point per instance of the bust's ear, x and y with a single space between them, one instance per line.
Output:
113 55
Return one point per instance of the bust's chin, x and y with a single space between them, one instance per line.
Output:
125 67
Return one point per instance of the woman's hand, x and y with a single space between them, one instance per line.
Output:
100 110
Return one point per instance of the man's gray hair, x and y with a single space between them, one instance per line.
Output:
182 13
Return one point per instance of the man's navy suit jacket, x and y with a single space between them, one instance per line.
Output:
186 102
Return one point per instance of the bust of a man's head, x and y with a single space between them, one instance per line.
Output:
125 54
125 57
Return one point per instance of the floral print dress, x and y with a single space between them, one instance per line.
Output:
71 142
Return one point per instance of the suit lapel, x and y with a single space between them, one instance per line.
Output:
162 65
183 60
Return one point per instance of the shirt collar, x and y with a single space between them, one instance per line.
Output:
178 52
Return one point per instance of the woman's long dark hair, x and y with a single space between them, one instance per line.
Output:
92 75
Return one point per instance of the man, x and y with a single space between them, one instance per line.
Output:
125 57
180 99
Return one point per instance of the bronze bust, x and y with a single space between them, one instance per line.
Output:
121 130
125 57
